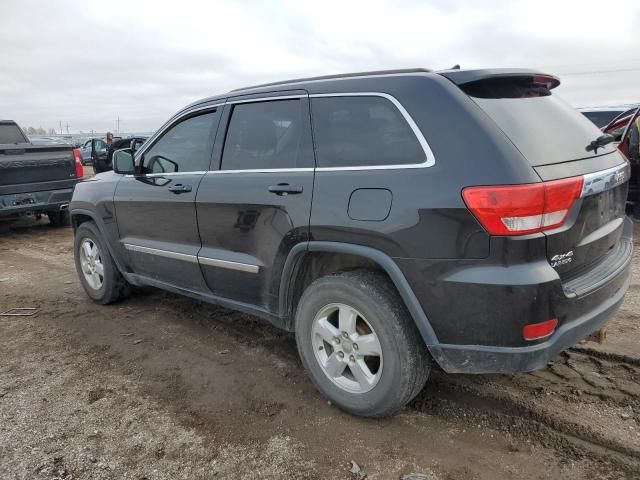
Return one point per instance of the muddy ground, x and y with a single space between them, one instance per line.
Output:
165 387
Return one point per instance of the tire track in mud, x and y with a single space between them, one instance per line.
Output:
586 403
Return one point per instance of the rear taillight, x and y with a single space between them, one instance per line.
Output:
547 81
522 209
536 331
78 162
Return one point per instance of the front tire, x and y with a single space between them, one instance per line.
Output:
359 344
98 273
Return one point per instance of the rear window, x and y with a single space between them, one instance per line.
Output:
541 125
10 133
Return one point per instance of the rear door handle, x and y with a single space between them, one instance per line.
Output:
284 189
179 188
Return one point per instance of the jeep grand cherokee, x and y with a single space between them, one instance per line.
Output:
393 220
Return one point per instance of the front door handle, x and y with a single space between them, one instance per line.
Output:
179 188
284 189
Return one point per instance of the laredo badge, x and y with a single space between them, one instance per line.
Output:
562 259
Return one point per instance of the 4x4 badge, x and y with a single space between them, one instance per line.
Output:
562 259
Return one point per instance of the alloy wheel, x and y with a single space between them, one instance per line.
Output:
347 348
91 263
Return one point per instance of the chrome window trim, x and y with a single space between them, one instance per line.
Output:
213 262
167 174
263 170
161 253
604 179
429 157
429 161
242 267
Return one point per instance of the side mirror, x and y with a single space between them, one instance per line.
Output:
123 161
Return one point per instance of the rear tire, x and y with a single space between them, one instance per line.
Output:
98 273
392 354
58 218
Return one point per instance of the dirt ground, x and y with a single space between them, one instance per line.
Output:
165 387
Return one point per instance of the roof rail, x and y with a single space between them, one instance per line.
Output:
337 76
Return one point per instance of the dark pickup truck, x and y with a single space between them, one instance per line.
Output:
36 179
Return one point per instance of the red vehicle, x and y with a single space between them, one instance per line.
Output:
617 126
620 128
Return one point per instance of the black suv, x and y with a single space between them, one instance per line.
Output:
393 220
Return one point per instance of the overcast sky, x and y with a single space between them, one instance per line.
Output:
86 63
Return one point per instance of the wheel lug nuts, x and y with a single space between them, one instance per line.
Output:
355 346
345 334
352 358
340 355
337 339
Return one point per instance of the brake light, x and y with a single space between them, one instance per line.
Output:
536 331
78 163
523 209
547 81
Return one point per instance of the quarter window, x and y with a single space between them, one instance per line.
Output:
362 131
266 135
185 147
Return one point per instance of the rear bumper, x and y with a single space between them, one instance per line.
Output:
34 202
488 359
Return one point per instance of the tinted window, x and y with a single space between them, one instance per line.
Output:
100 146
185 147
264 135
601 119
362 131
10 133
542 126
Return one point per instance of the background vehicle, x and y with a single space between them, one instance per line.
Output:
602 116
102 158
617 126
134 143
623 146
91 147
35 179
36 140
382 240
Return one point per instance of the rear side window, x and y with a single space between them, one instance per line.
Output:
10 133
185 147
267 135
362 131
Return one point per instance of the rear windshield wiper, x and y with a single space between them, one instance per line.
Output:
599 142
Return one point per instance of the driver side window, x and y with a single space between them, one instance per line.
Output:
100 146
185 147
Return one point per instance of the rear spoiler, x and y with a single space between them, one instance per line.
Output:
461 77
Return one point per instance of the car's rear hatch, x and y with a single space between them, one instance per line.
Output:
557 141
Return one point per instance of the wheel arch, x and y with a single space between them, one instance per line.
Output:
294 271
80 216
